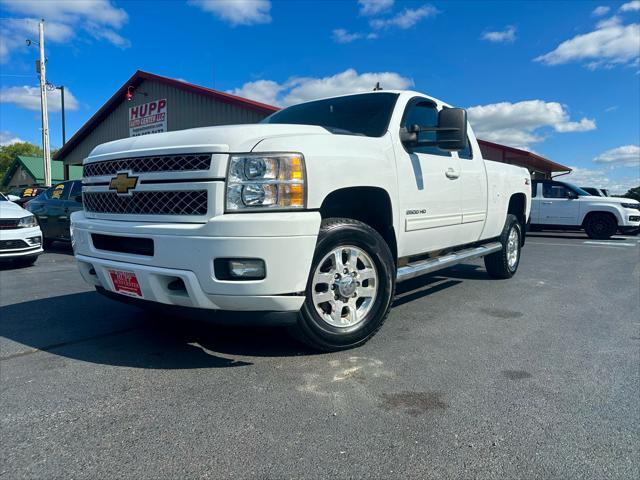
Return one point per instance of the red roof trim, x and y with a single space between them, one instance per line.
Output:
136 80
552 166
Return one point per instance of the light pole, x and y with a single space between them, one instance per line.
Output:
41 69
52 87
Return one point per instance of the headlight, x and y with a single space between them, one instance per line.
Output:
266 181
26 222
631 205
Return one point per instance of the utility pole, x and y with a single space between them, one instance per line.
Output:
64 136
46 152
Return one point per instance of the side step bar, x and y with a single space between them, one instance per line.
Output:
423 267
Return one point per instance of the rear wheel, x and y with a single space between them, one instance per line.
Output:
600 226
504 263
350 287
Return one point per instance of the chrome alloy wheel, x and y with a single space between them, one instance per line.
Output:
344 286
512 248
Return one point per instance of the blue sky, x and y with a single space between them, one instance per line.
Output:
559 78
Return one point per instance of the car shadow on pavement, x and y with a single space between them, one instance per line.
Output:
570 236
89 327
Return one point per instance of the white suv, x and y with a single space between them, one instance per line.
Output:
561 205
20 235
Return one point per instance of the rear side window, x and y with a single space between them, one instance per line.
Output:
76 189
424 114
59 191
467 153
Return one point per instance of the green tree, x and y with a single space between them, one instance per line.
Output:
8 153
633 193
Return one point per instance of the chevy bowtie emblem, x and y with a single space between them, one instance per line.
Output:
122 183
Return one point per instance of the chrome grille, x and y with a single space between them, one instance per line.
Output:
160 163
185 202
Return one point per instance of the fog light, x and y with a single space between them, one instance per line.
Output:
634 218
33 241
239 268
247 268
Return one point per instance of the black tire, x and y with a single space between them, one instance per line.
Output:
26 261
600 226
497 264
47 243
311 328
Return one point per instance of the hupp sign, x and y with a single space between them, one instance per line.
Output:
148 118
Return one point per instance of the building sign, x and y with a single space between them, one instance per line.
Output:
148 118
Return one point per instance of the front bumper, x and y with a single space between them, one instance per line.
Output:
20 242
185 252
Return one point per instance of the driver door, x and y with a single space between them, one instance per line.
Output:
556 206
429 189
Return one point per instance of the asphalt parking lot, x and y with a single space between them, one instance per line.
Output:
534 377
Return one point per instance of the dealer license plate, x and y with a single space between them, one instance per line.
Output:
125 283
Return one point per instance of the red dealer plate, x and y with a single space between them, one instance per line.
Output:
125 283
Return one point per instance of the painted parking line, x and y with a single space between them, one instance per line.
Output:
585 244
613 242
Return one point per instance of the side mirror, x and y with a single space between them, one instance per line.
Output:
13 198
571 195
450 134
452 129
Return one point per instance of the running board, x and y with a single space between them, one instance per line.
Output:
423 267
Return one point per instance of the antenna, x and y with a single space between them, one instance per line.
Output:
377 87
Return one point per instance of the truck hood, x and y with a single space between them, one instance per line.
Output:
608 200
225 138
12 210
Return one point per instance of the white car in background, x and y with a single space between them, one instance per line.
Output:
563 206
20 235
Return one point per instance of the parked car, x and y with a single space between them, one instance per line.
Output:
561 205
308 219
20 236
53 208
596 192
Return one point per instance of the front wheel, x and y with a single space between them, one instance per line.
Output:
504 263
350 287
600 226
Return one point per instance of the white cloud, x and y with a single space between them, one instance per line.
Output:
587 177
609 45
8 138
405 19
523 123
600 11
302 89
29 98
626 156
506 35
340 35
373 7
237 12
633 6
63 20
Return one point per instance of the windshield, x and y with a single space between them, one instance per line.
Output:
366 114
576 189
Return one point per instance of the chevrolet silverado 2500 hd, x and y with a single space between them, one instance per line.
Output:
309 218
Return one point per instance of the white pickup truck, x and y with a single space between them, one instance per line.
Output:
308 219
561 205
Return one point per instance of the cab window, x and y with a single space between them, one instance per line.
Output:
425 114
554 190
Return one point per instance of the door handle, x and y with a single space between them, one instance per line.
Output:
451 173
547 203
